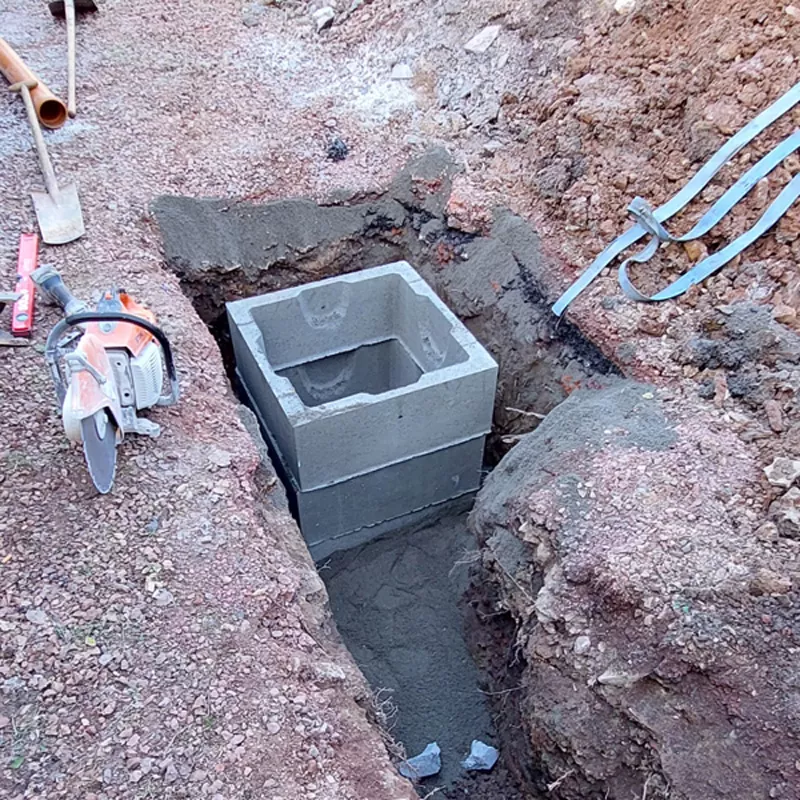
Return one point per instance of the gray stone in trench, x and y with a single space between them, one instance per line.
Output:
427 763
482 757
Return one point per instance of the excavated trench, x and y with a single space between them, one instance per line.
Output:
415 607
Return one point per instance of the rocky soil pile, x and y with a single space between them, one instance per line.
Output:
656 608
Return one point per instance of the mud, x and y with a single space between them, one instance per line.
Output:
486 272
396 604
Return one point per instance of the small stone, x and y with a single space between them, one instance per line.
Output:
624 6
774 415
105 659
273 728
482 757
696 251
783 472
766 582
427 763
163 597
36 616
323 18
402 72
483 40
785 513
582 645
767 532
794 12
785 314
251 14
728 50
219 458
4 722
337 149
492 147
171 774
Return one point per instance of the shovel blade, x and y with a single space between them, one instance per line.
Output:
60 217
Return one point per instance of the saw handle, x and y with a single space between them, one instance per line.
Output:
49 280
69 12
84 317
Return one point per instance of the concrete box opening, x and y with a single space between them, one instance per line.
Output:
375 398
371 369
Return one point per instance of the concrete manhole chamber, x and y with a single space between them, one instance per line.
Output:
375 397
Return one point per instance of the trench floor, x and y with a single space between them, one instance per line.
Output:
397 603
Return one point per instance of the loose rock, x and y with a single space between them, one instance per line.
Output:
783 472
427 763
323 18
786 513
482 757
402 72
482 41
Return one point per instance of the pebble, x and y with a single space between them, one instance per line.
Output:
624 6
491 147
36 616
582 645
323 18
774 414
402 72
482 757
783 472
784 314
427 763
728 51
163 597
483 40
696 250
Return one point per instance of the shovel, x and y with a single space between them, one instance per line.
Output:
67 9
58 209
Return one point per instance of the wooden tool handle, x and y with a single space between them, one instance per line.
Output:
69 12
51 111
24 88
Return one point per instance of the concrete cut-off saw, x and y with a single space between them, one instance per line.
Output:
106 364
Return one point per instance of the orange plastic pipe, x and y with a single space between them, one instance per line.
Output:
51 111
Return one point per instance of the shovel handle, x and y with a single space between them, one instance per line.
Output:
69 13
24 88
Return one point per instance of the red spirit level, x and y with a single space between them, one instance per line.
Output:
22 312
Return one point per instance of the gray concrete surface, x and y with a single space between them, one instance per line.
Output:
395 601
450 402
374 396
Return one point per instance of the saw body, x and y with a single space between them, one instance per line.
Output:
113 369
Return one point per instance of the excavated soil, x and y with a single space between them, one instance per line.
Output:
172 639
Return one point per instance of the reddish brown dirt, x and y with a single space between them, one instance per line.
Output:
633 105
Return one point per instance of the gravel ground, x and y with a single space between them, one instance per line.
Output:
171 638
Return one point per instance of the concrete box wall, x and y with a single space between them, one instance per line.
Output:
388 374
357 510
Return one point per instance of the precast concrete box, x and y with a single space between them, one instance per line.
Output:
374 396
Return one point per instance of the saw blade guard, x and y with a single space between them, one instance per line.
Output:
90 389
